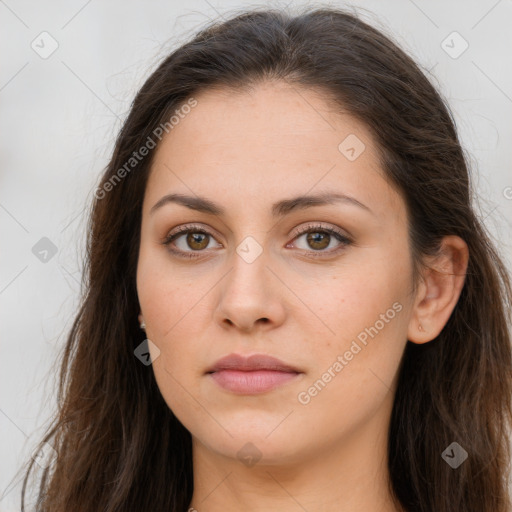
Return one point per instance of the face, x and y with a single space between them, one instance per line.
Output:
323 287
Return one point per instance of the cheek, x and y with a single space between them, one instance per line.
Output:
353 379
179 367
353 299
172 308
369 288
164 297
365 307
177 388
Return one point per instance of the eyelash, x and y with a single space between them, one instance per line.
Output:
310 228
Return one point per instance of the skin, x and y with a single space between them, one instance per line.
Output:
245 151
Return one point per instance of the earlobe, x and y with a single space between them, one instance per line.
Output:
141 322
439 290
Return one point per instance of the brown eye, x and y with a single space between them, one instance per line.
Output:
189 241
318 240
197 240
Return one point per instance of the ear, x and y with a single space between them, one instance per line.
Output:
140 318
439 290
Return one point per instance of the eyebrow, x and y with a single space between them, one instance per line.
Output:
279 209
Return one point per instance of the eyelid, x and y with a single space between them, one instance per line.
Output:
310 226
184 228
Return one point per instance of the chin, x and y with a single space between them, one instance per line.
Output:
251 443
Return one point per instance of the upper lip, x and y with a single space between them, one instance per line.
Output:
254 362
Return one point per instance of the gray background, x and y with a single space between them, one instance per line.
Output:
59 116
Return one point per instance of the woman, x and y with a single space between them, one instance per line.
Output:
290 302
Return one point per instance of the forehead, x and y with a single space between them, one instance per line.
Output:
273 141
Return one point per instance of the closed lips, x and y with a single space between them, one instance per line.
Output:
252 363
256 374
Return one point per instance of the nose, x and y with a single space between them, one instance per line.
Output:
250 296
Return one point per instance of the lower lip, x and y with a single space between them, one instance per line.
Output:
251 382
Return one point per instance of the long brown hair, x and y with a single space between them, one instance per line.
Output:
119 445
